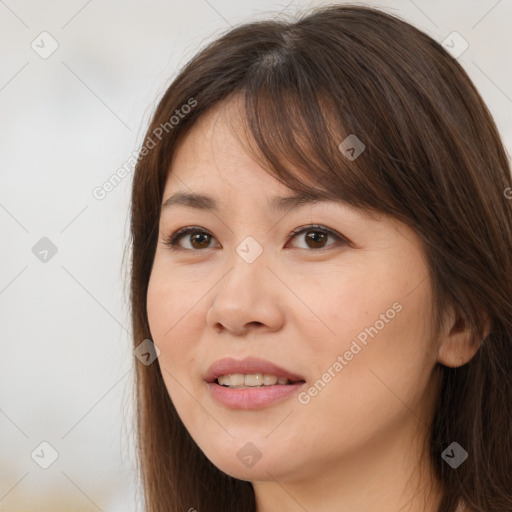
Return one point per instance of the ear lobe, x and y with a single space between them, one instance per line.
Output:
458 343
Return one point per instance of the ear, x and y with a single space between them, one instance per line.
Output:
457 343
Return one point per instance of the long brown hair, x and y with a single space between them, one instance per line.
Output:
432 159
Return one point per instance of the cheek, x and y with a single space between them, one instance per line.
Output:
173 308
374 351
378 365
384 307
173 301
349 304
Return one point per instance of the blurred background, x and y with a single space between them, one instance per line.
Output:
79 81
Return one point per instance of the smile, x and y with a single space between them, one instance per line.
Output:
240 380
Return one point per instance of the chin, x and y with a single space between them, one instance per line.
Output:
247 461
261 471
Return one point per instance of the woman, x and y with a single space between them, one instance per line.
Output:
369 372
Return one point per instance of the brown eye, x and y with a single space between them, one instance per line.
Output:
200 240
197 239
317 237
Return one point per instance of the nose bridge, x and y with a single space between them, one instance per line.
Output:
244 296
247 268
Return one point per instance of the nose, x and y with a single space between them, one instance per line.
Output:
247 298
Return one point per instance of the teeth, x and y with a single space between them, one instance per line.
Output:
254 379
269 380
234 380
251 380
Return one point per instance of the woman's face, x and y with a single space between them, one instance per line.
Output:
345 313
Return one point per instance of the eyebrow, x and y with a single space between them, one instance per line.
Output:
208 203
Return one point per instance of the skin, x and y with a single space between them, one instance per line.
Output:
356 445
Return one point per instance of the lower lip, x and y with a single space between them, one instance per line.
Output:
255 398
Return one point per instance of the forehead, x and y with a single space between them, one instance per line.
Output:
213 164
211 159
216 153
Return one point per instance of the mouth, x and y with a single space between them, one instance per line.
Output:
250 383
249 372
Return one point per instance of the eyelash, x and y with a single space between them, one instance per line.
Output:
172 240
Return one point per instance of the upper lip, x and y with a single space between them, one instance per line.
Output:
248 365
